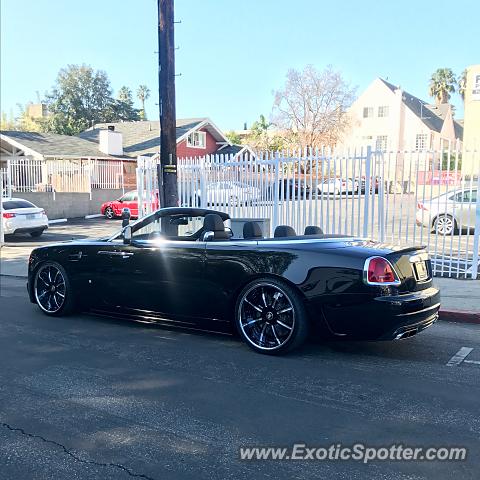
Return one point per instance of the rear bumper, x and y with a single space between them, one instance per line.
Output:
31 229
35 228
385 317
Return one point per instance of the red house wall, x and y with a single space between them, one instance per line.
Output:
184 151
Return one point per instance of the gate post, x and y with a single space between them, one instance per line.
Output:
476 237
381 197
203 185
9 177
275 191
140 182
366 205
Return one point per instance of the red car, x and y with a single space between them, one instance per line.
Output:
129 200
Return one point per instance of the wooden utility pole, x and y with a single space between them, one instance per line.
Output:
167 170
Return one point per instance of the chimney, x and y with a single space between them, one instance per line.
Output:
110 141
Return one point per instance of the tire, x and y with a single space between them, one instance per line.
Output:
445 225
52 290
36 234
270 317
109 213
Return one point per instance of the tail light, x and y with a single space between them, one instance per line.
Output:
8 215
379 271
421 206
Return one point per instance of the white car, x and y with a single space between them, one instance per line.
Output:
337 186
21 216
449 212
229 193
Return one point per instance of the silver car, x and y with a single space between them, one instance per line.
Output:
449 212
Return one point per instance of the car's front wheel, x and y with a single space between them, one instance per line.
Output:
109 213
270 316
52 289
445 225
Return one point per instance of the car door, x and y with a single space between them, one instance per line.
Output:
155 274
468 208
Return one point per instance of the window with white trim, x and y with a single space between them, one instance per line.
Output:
367 112
381 143
421 141
197 140
383 111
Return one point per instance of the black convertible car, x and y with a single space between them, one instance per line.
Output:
181 266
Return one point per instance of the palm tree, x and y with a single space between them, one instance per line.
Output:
442 84
462 84
143 93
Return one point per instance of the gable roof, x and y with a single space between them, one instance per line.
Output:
52 145
143 138
432 116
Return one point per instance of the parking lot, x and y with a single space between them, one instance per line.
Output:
89 397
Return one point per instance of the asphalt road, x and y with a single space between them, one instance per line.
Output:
93 398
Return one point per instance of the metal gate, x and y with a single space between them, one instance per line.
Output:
394 197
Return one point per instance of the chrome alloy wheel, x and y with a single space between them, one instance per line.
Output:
50 289
266 316
444 225
109 213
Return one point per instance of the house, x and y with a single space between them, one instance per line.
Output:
390 119
196 137
471 141
67 176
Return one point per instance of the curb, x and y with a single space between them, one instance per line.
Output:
58 220
460 316
95 215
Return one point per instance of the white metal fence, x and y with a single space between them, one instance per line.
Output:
394 197
24 174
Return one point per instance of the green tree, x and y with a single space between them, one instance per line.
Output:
122 108
78 100
23 122
143 94
233 137
263 138
462 84
125 95
442 84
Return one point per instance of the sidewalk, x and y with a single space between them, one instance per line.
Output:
457 295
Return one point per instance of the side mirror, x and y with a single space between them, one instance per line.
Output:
125 216
127 235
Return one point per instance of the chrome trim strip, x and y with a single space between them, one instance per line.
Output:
115 253
433 307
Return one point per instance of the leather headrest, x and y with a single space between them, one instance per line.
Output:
252 230
213 223
284 231
313 230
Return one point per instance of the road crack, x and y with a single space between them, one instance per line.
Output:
73 455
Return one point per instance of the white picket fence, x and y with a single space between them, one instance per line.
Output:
24 174
391 197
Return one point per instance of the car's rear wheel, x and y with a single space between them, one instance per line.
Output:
270 316
36 233
52 289
109 213
445 225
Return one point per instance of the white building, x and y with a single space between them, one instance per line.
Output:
391 119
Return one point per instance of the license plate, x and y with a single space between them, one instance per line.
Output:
422 272
30 216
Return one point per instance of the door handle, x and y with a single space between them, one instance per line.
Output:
115 253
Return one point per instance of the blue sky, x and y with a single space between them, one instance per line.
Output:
233 54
